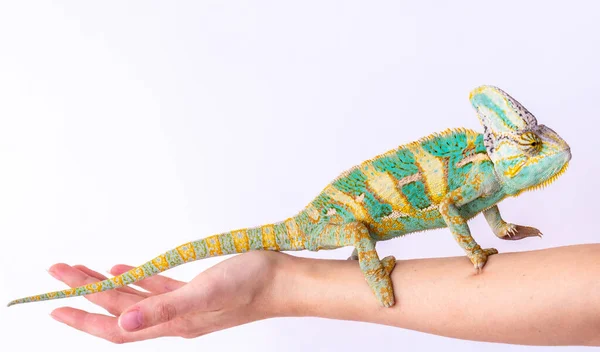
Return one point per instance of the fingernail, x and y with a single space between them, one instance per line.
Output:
131 320
53 274
56 318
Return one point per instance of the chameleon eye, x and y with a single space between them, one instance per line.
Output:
531 141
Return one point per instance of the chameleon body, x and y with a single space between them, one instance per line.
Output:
441 180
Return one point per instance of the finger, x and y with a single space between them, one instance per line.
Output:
103 326
101 277
113 301
160 309
155 284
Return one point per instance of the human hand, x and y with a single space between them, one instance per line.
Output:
518 290
234 292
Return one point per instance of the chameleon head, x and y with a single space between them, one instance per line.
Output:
525 155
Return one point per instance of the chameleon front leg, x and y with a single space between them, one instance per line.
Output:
376 272
505 230
458 225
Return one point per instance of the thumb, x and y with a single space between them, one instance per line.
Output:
156 310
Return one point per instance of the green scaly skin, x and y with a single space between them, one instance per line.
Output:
439 181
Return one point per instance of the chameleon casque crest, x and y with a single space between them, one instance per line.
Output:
441 180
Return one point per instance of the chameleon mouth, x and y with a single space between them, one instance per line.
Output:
550 180
556 175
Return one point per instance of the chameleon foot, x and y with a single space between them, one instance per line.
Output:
514 232
479 257
389 263
383 290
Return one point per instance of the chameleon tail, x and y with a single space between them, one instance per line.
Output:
285 235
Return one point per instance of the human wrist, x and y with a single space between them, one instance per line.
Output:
317 288
280 297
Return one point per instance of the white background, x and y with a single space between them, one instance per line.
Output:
127 128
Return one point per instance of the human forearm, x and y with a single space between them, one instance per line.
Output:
546 297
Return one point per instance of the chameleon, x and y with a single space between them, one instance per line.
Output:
441 180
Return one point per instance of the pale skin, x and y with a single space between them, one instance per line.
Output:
545 297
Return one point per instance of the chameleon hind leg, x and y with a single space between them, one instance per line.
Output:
376 272
388 262
505 230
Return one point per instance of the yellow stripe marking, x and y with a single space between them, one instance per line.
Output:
471 139
214 246
512 171
343 199
187 253
268 238
240 241
295 235
433 172
160 262
93 287
384 186
138 273
117 280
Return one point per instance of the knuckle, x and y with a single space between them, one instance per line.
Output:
164 312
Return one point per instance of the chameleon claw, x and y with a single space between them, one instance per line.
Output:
510 230
518 232
480 257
